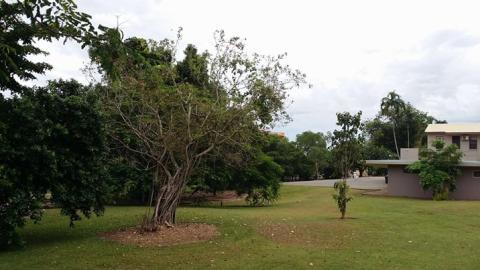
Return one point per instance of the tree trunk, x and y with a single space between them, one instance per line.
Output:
166 205
316 170
442 195
408 136
395 139
166 201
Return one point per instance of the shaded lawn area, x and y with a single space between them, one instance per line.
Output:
301 231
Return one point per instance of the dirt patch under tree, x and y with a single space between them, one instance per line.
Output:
179 234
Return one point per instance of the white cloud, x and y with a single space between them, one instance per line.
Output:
353 52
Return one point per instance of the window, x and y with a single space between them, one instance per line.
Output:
440 138
476 174
473 142
456 141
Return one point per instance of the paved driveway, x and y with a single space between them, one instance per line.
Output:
359 183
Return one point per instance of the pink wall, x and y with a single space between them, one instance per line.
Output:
407 184
404 184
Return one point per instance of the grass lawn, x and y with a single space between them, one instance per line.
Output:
301 231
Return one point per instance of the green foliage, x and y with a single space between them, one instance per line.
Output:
438 168
24 22
117 57
347 143
127 183
260 180
391 106
51 141
341 196
370 151
193 68
294 162
253 173
314 147
397 122
214 174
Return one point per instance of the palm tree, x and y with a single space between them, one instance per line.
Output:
391 107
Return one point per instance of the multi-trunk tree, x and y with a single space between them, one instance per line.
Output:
180 111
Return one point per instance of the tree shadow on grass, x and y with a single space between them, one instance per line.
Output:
53 236
45 238
345 218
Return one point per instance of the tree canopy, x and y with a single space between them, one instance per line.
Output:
314 147
398 125
23 23
347 142
51 142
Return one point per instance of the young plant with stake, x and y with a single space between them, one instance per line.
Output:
341 196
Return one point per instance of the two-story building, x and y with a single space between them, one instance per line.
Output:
465 136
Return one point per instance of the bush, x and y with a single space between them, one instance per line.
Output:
260 180
438 169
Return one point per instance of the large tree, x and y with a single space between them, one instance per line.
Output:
347 142
314 147
51 142
179 112
51 138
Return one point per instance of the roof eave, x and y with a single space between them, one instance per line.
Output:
397 162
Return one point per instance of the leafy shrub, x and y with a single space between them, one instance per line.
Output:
438 169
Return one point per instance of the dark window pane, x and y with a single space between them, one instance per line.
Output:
456 141
476 174
473 142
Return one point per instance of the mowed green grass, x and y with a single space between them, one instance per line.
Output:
382 233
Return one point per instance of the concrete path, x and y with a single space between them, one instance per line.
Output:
359 183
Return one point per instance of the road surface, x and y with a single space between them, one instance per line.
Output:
372 183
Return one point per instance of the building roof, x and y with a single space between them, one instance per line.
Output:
453 128
385 162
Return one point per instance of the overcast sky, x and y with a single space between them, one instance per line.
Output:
353 52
